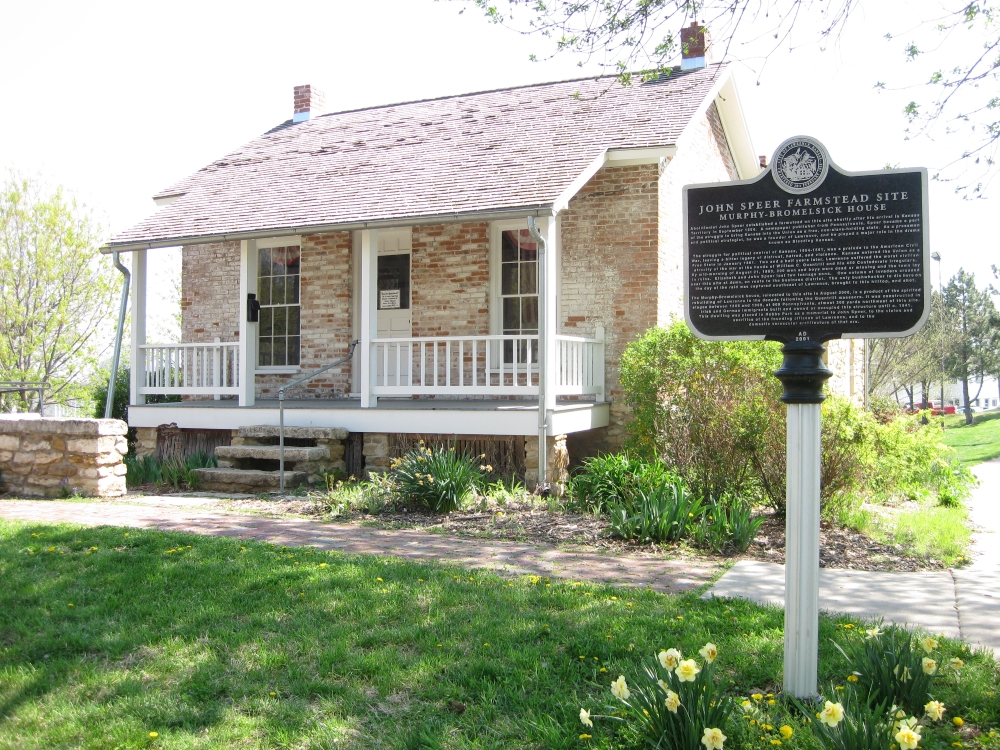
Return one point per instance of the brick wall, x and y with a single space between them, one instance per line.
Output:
449 279
210 291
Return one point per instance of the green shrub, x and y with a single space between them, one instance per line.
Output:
675 703
729 521
892 669
616 479
664 513
438 479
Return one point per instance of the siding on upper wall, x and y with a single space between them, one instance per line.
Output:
703 155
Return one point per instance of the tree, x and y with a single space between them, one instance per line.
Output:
973 332
625 36
56 290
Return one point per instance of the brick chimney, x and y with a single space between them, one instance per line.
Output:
696 47
308 102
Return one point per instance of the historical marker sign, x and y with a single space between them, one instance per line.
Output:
807 252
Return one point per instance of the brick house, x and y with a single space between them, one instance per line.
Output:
405 227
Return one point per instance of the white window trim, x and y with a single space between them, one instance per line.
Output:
286 241
496 229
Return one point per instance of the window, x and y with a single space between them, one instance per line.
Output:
278 294
518 289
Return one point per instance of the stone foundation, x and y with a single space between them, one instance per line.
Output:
145 441
376 452
58 457
557 463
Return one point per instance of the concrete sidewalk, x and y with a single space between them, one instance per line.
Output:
963 603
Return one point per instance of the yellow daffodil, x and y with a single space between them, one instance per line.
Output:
935 710
713 739
585 718
786 731
929 665
669 659
928 644
908 738
709 652
687 670
672 702
747 706
832 714
873 633
619 689
956 663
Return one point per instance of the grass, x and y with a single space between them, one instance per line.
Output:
977 442
926 531
109 634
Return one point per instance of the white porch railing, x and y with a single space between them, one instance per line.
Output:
455 365
580 366
191 369
483 365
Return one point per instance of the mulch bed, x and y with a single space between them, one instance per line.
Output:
532 522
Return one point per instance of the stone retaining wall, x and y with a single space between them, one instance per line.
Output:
55 457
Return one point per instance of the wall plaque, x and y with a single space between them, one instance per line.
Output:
389 299
807 251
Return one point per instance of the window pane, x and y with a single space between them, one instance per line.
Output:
278 352
265 322
264 290
279 321
529 314
508 279
278 290
529 249
508 246
264 267
293 321
265 351
293 350
529 273
511 313
292 290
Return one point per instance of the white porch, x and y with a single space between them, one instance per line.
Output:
472 384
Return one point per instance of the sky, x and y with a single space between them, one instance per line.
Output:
116 100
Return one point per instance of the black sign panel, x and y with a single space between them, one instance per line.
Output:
807 252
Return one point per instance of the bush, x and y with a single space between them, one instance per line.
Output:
676 703
438 479
616 479
664 513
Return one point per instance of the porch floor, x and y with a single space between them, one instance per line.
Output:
401 415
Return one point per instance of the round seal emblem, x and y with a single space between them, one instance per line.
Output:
800 164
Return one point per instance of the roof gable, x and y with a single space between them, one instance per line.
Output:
496 151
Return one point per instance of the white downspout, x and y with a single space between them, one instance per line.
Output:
126 276
543 427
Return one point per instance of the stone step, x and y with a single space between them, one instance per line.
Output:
246 480
296 433
293 454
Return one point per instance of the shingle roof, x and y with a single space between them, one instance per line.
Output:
491 151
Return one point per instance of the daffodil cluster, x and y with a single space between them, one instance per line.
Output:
439 480
675 703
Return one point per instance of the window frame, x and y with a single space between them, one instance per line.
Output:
286 241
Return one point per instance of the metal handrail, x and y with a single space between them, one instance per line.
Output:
24 386
281 409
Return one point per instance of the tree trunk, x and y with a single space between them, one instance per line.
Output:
965 397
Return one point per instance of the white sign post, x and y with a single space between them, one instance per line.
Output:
802 254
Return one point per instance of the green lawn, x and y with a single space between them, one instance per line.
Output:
107 635
977 442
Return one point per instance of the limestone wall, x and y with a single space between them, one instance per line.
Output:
54 457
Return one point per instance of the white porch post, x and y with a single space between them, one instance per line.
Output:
248 331
550 319
599 364
369 314
137 362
